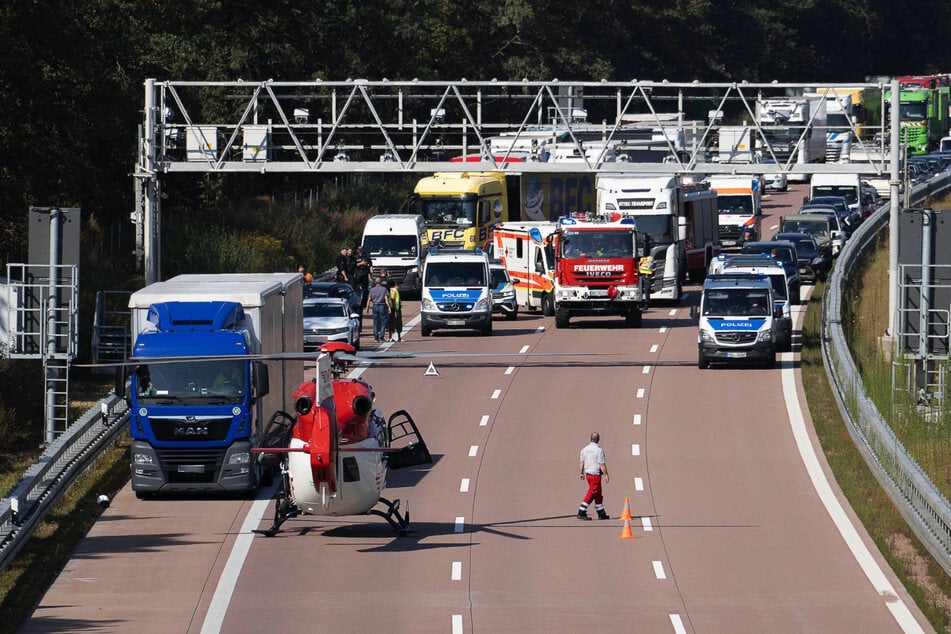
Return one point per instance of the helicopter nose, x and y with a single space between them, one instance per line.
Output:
362 405
303 405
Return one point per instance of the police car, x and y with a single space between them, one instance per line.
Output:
456 292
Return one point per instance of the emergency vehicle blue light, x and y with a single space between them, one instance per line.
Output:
433 251
477 251
565 220
535 234
626 221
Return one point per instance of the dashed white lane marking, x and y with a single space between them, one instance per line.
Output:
678 624
654 348
646 524
640 392
510 369
496 394
456 570
638 484
646 370
460 524
456 624
484 421
861 553
473 451
637 419
662 330
524 349
659 570
635 449
464 486
673 311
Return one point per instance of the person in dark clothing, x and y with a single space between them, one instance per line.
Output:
361 276
343 266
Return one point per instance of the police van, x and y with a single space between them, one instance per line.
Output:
737 320
775 271
456 291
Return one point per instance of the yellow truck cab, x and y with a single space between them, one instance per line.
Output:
460 208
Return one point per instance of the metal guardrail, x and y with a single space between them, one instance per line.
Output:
63 460
926 510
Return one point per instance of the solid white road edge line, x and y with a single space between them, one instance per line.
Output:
239 552
861 553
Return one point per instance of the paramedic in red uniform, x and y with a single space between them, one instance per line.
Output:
593 468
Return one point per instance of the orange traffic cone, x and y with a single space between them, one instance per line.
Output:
626 531
626 513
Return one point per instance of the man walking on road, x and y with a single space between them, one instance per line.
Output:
378 297
593 467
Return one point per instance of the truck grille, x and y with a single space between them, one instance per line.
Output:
210 458
180 429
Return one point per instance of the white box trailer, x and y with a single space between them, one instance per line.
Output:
187 435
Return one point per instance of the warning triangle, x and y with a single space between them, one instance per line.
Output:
431 370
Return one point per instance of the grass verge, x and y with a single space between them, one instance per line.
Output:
925 580
35 568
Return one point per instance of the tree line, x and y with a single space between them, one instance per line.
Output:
72 73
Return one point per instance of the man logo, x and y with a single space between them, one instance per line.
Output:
195 431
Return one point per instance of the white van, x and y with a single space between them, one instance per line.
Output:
456 291
397 243
849 186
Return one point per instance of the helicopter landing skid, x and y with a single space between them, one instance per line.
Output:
399 521
284 509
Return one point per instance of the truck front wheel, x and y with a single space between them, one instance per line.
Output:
548 305
561 318
633 318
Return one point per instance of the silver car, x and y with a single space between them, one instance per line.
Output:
330 319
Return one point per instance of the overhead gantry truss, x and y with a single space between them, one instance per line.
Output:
332 127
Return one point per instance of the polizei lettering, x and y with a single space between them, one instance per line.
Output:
597 268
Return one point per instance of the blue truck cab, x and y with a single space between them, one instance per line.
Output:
200 393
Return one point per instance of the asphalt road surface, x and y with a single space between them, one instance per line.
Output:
735 527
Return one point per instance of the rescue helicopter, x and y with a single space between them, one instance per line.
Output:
334 451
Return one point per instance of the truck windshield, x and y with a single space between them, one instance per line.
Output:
445 211
913 112
194 381
596 243
657 226
849 192
389 245
736 302
455 274
735 204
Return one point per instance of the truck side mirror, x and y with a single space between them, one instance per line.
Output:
259 379
121 376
